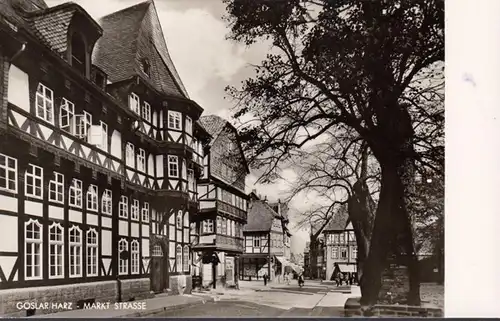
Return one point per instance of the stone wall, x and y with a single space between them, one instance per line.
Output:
180 284
10 299
352 308
136 289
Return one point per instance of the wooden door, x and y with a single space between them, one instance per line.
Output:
159 270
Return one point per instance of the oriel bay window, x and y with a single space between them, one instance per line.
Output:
33 250
75 193
34 181
75 252
173 166
92 194
92 247
8 173
56 188
56 250
44 100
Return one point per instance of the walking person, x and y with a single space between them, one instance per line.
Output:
337 274
301 280
265 279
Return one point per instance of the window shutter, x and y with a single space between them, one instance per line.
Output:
96 135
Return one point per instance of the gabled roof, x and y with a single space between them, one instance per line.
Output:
130 36
260 217
215 126
338 223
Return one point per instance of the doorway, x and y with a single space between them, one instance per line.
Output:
159 269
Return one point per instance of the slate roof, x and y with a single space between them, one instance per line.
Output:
130 36
260 217
213 125
338 223
49 25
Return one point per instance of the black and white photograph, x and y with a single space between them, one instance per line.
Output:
222 158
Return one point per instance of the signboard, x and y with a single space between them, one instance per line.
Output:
230 270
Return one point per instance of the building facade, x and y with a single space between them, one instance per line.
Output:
341 246
223 205
99 157
267 241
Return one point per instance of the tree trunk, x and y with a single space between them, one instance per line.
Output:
313 257
392 237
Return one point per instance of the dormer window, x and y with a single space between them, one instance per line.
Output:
78 54
146 67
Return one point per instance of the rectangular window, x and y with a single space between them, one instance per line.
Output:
134 103
8 173
335 252
67 116
92 247
99 136
106 202
343 253
92 198
191 180
145 212
335 239
135 265
56 244
141 160
135 210
83 124
189 126
104 137
34 181
33 250
123 207
342 238
256 242
45 103
178 258
185 259
173 166
130 155
56 188
75 252
174 120
75 193
146 112
207 226
354 253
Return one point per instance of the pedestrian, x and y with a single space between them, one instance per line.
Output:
288 277
265 279
337 274
301 280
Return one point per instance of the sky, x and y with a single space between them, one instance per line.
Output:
195 34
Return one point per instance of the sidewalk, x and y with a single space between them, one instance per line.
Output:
153 306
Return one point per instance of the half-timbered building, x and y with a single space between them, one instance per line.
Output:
223 205
267 241
100 149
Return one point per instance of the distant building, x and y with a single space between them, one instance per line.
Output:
267 240
341 247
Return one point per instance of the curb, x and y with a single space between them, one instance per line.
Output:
164 309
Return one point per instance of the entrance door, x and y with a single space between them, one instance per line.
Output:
159 270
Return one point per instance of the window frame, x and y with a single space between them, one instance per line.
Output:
174 120
74 247
56 187
178 258
83 125
36 243
135 210
145 212
59 255
92 198
107 202
36 179
47 115
136 106
130 155
75 187
141 160
256 242
146 111
185 258
122 264
135 262
92 252
123 207
173 160
69 113
189 126
5 167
